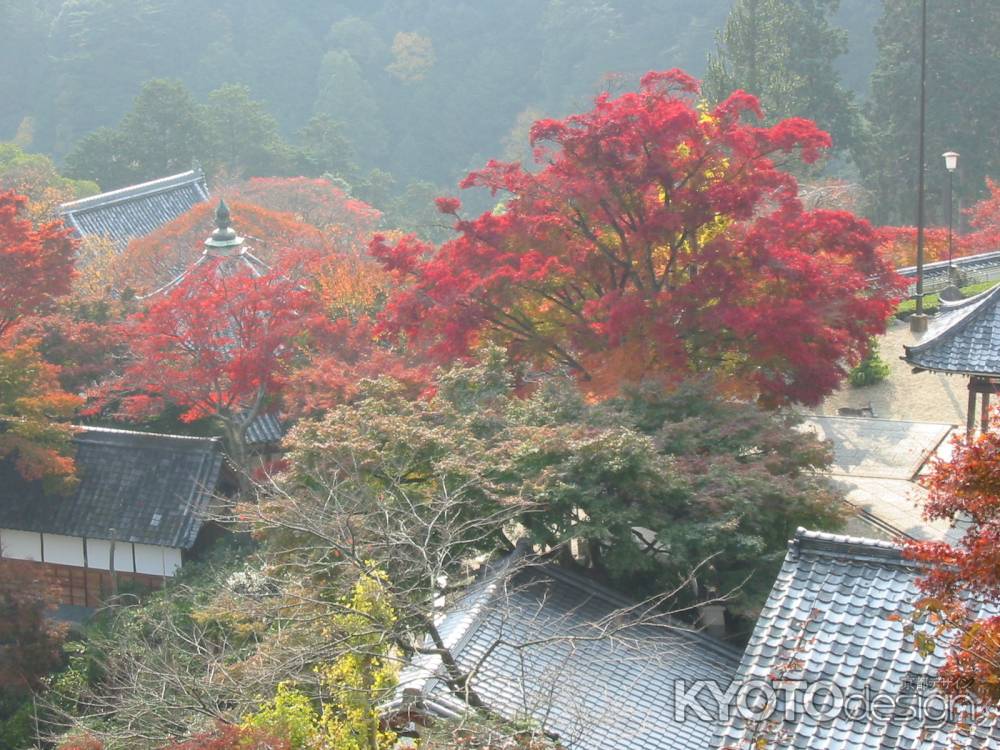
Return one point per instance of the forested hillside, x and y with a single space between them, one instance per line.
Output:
424 91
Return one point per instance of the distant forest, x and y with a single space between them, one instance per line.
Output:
412 94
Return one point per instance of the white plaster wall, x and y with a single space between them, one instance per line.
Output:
21 545
63 550
156 560
171 560
99 555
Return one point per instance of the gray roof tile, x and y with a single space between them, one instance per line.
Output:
828 618
137 210
127 479
964 338
547 657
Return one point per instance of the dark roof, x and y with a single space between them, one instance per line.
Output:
964 338
137 210
150 488
264 429
836 616
560 649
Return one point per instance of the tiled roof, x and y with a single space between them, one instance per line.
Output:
964 338
150 488
264 429
556 647
836 616
138 210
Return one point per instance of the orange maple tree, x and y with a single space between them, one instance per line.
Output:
274 215
962 580
36 268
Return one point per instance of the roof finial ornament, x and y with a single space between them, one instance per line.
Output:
224 235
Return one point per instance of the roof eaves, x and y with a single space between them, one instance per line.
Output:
964 312
131 192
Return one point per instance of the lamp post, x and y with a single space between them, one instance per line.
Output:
918 321
951 164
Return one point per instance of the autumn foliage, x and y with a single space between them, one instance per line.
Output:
657 238
36 263
274 214
29 639
223 737
347 222
218 343
962 581
36 268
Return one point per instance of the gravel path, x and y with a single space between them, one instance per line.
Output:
923 397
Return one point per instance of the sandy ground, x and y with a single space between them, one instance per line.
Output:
923 397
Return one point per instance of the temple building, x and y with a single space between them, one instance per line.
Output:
964 339
137 210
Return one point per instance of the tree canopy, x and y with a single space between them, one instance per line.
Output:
658 238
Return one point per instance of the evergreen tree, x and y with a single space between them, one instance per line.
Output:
783 52
963 99
346 96
242 136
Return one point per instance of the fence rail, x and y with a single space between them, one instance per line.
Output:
972 269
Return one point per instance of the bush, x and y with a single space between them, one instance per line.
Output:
872 369
16 723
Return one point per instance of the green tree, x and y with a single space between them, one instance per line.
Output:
165 132
784 52
346 96
963 98
36 177
324 148
101 157
703 476
242 136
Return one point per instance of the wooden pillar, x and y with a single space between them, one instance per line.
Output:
970 418
984 420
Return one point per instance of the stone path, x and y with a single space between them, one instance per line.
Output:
923 397
875 463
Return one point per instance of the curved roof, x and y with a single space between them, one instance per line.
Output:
838 616
590 666
963 339
137 210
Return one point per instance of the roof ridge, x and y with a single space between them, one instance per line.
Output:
842 545
573 578
118 431
133 191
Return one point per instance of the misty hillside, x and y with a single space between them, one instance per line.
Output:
425 90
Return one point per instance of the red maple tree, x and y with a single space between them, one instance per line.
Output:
218 344
984 217
36 263
962 581
657 238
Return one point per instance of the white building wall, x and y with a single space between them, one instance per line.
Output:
156 560
63 550
21 545
69 550
171 560
99 555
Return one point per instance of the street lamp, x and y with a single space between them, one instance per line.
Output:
951 164
918 321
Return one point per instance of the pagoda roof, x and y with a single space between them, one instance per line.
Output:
963 339
135 211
